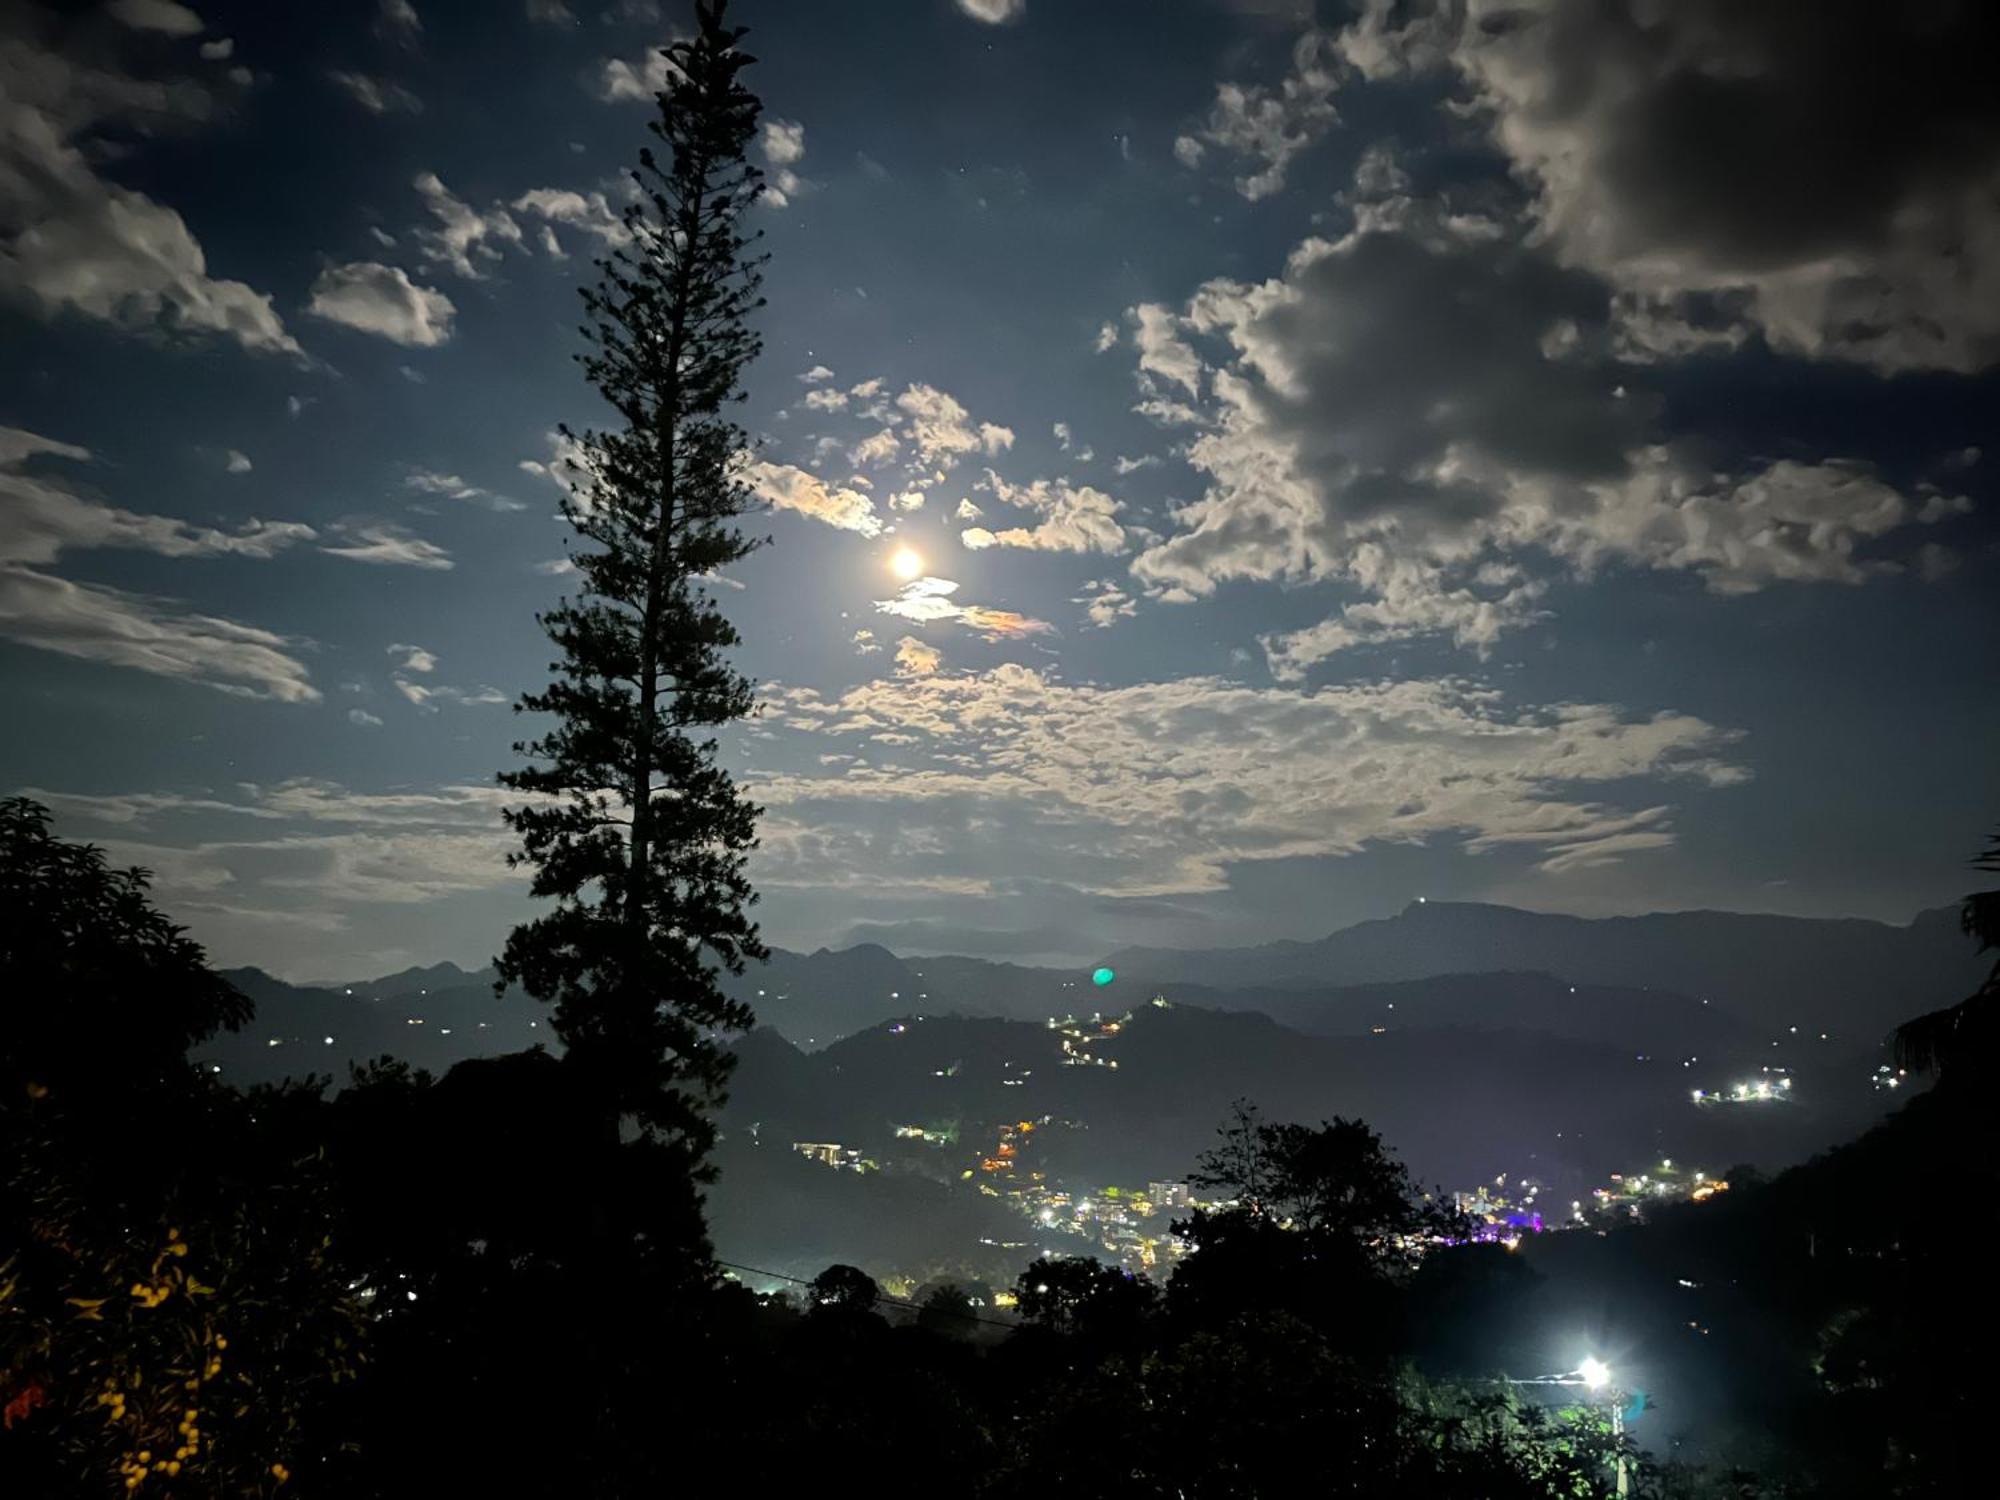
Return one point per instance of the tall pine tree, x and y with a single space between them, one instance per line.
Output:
635 831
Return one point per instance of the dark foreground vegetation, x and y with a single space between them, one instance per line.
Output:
467 1285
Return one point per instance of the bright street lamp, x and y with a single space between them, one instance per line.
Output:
1595 1372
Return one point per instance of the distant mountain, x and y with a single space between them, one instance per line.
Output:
1461 1103
1848 976
430 1017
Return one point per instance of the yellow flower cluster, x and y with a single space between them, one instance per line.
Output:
114 1398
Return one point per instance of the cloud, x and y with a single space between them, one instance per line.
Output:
363 719
72 241
157 15
415 658
237 463
968 511
942 431
1076 518
398 19
550 13
927 601
1432 413
1270 126
1105 603
587 213
379 96
1122 465
1162 353
994 12
451 487
1159 788
817 375
619 81
1107 338
391 546
370 297
916 659
464 238
43 517
1847 211
825 398
782 144
790 488
251 861
95 623
865 643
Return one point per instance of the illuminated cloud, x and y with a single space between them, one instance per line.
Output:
793 489
1159 788
1076 518
929 601
916 659
390 546
373 298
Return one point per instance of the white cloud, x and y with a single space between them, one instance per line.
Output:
451 487
1158 788
1850 215
379 96
790 488
1076 518
782 143
1107 338
994 12
157 15
587 213
865 643
361 718
928 601
72 241
819 375
916 659
414 658
464 239
825 398
1162 352
967 511
373 298
94 623
41 517
942 431
620 81
1394 412
1122 465
218 50
389 545
1270 126
236 463
1105 603
399 19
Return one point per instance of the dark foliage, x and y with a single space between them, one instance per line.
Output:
631 826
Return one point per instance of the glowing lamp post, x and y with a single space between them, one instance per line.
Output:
1596 1377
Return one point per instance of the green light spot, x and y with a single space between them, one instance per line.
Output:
1103 976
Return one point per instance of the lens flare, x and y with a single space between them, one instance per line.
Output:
906 563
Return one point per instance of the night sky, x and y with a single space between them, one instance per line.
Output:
1528 454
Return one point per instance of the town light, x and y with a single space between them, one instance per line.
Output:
1596 1374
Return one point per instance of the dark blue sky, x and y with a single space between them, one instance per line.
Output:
1350 454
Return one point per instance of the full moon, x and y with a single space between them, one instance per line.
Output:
905 563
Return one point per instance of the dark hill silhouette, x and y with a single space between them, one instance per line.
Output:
1847 975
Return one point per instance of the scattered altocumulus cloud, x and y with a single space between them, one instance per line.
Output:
73 241
42 517
1158 788
373 298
